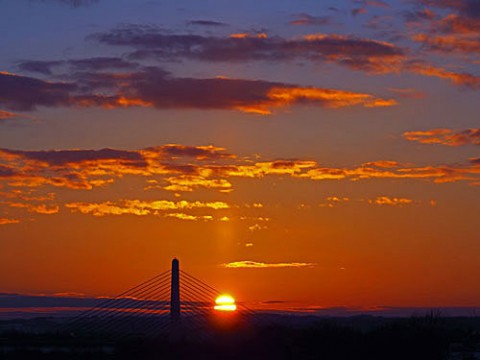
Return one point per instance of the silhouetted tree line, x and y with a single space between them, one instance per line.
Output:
429 337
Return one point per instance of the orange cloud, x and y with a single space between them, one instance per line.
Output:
105 208
327 97
369 55
247 35
185 169
256 227
438 174
189 183
333 201
255 218
247 264
462 25
254 205
350 51
458 23
445 136
175 151
288 96
39 209
385 200
7 115
146 88
5 221
27 178
306 19
382 164
260 169
464 79
141 208
86 169
182 216
456 31
449 43
26 195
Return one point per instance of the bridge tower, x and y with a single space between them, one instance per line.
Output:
175 292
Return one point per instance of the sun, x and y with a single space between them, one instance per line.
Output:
225 303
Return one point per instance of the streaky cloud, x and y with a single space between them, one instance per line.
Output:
351 51
442 136
6 221
358 54
248 264
304 19
207 23
4 115
143 207
153 87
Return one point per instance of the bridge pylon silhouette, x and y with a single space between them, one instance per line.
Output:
170 302
175 306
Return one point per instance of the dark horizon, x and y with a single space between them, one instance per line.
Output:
18 306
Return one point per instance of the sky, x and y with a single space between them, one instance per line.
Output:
295 154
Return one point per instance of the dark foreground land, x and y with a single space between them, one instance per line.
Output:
429 337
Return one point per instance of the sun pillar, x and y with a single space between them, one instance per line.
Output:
175 292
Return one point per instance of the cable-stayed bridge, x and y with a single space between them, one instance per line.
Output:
171 303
